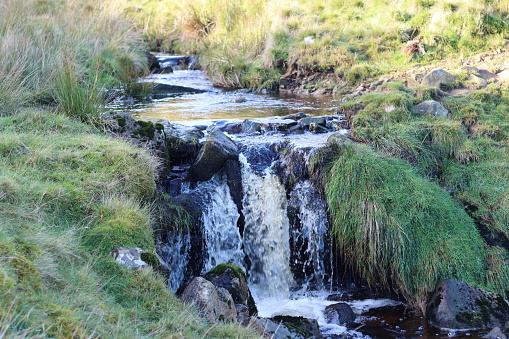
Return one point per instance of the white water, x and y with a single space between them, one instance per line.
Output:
313 219
266 233
175 252
222 238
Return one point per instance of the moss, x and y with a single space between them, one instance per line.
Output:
64 323
146 130
294 324
150 258
221 268
158 126
26 272
121 121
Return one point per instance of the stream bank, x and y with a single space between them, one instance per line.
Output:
267 152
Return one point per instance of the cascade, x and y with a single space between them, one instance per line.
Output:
222 240
266 233
175 253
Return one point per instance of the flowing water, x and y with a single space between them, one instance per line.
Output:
284 247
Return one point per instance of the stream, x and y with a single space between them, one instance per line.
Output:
284 248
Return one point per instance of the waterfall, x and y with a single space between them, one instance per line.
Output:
308 234
223 243
283 248
175 252
266 233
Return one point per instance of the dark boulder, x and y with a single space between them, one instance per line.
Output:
457 305
218 148
153 62
233 279
340 313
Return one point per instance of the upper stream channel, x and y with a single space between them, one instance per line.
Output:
284 245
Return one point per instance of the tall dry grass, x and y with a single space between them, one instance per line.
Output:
47 47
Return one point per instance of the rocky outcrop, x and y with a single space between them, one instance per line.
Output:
457 305
218 148
233 279
215 303
437 78
431 107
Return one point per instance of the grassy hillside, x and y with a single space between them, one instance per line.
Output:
253 43
68 195
68 192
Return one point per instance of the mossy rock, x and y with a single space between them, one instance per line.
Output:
150 258
233 279
221 268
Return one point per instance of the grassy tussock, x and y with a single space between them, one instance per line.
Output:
252 43
396 229
68 195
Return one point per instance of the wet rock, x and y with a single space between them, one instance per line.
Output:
340 313
239 100
242 314
162 90
275 124
153 62
271 329
306 122
182 142
495 333
431 107
215 303
295 116
234 179
437 77
129 257
249 127
457 305
315 128
338 138
231 128
218 148
233 279
306 328
165 70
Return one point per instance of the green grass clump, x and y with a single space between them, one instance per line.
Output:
397 229
68 195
